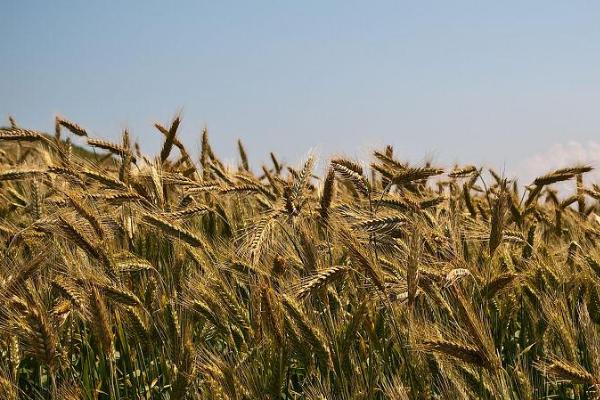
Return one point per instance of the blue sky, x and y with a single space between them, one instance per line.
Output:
494 82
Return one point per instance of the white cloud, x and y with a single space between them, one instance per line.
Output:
561 155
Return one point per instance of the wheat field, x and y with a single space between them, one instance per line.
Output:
126 276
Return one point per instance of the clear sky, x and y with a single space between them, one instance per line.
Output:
469 81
